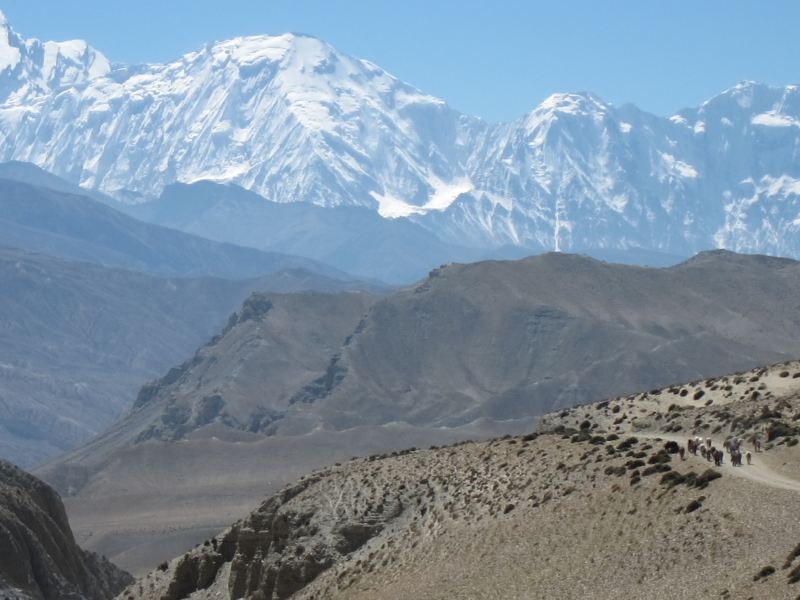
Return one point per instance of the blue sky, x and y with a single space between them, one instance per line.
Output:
496 59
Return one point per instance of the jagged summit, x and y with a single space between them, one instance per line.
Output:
30 68
573 103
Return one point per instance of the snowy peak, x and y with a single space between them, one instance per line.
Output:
580 103
286 116
10 45
745 104
292 119
30 68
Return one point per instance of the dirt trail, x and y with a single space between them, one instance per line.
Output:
759 471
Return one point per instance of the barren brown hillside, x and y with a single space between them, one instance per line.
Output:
592 506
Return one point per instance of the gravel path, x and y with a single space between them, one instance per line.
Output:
759 471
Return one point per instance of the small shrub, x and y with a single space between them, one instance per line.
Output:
582 436
765 572
662 456
163 566
612 470
707 477
694 505
794 575
792 555
698 394
778 429
659 468
673 478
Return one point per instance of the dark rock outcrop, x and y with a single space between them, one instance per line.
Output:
39 558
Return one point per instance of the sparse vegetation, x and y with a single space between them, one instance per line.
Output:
764 572
694 505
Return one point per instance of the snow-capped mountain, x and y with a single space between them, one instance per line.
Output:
579 173
286 116
292 119
30 69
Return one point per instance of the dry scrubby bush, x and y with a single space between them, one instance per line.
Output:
792 555
694 505
657 468
660 457
778 429
764 572
690 479
612 470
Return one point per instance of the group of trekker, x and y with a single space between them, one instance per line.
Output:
732 446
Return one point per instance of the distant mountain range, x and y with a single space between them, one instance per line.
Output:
498 340
77 340
95 302
75 226
293 120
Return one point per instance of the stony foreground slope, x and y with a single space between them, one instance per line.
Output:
39 558
592 506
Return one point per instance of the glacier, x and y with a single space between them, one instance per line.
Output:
294 120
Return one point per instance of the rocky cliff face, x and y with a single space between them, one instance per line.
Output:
39 558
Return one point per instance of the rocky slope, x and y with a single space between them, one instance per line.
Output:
39 559
494 340
591 505
474 350
292 119
79 340
515 339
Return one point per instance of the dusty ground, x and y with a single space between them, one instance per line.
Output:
160 499
591 508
